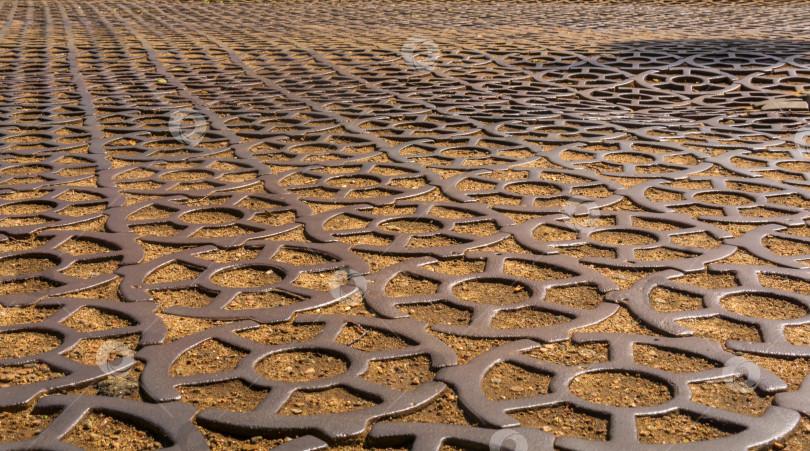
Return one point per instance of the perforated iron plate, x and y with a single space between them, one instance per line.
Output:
476 181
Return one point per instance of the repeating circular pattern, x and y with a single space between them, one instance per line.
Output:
507 179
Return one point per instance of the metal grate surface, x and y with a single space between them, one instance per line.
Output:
354 214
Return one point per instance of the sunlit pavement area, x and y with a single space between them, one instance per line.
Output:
412 225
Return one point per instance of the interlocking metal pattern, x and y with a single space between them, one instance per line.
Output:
201 170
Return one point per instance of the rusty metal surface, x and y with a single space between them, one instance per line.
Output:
290 164
622 431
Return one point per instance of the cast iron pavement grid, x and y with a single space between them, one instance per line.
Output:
418 225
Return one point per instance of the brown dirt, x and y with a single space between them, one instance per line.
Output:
763 306
732 396
301 366
174 272
87 351
570 354
159 229
219 442
580 296
17 266
186 297
22 315
620 322
708 280
333 400
525 318
620 389
623 238
246 301
14 345
400 374
407 285
438 312
586 250
622 277
282 333
432 241
210 356
22 425
444 409
80 246
27 374
798 335
678 428
108 290
90 319
564 420
117 434
180 326
721 330
456 267
321 281
228 256
785 247
467 349
491 292
88 269
507 245
509 381
249 277
533 271
358 337
232 395
671 361
664 299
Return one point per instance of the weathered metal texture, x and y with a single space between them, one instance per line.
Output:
439 222
170 421
211 277
793 256
771 329
627 235
58 250
160 386
563 271
203 139
731 204
145 323
432 436
775 422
